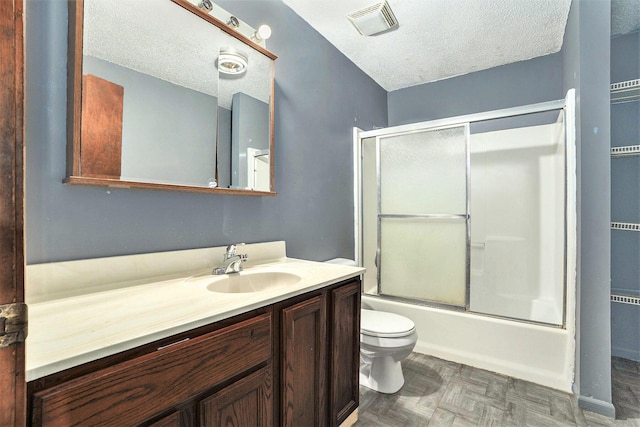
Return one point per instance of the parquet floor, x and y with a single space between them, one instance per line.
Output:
442 393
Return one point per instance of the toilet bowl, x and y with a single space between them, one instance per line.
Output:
385 340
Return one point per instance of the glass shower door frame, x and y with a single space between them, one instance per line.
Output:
427 217
566 104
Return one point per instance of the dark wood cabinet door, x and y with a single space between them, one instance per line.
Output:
246 402
304 364
345 351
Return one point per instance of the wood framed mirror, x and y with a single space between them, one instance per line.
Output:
163 95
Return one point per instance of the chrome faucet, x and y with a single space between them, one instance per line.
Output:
231 262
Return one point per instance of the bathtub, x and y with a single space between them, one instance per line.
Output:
537 353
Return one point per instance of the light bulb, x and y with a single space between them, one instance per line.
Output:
233 22
206 4
262 33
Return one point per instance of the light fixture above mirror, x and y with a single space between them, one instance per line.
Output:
259 35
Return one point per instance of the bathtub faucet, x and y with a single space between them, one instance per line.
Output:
231 262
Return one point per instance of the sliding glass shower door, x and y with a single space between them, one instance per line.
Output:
423 215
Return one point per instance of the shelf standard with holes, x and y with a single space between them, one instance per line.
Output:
625 151
625 91
629 226
625 299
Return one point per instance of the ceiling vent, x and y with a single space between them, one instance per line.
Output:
374 19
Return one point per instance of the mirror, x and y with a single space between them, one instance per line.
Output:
163 95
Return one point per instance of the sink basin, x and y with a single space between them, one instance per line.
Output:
250 281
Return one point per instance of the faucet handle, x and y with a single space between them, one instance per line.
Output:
231 249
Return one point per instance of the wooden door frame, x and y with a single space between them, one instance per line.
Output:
12 358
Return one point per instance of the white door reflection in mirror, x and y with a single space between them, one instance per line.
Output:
258 169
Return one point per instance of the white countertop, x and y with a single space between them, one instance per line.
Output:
69 331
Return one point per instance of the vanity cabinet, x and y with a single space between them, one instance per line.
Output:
320 357
290 363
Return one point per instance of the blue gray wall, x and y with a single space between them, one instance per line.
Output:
316 107
512 85
168 131
625 202
586 58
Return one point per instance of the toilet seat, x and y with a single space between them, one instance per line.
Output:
385 325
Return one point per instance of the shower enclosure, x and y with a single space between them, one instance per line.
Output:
468 213
467 226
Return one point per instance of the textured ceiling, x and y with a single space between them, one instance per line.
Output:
438 39
171 44
625 16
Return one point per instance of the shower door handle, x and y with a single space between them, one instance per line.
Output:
376 261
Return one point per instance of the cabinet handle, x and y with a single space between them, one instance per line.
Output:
162 347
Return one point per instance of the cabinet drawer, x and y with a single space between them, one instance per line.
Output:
133 391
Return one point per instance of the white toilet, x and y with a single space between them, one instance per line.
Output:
385 340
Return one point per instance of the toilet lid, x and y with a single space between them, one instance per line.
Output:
383 324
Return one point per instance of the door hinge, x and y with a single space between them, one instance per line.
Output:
13 324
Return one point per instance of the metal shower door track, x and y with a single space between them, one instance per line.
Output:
468 118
